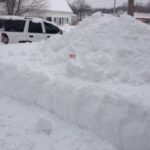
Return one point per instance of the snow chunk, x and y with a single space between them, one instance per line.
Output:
43 126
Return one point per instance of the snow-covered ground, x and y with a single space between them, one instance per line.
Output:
24 127
95 78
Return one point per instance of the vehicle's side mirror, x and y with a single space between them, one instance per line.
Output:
61 32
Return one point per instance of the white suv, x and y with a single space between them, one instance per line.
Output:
14 29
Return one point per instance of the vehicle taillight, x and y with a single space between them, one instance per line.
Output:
4 38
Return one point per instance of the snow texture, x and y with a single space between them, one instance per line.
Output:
17 130
43 125
104 88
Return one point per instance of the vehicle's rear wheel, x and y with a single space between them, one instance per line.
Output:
4 38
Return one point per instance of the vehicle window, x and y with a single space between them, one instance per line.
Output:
12 25
35 27
51 28
49 18
2 24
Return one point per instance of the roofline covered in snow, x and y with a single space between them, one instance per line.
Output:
59 6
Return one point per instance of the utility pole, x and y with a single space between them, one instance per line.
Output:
114 7
131 7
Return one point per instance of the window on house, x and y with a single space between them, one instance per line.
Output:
49 18
57 20
2 23
66 20
35 27
60 21
51 28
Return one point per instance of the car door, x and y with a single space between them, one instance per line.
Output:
35 31
50 29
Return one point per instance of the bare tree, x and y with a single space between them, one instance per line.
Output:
34 7
1 1
148 4
10 6
81 8
19 7
131 7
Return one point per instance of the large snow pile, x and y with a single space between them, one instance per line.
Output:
97 77
107 49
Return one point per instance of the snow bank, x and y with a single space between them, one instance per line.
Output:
110 115
115 49
67 27
104 88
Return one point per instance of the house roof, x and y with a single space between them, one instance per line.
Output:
59 5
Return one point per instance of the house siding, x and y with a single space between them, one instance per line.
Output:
60 18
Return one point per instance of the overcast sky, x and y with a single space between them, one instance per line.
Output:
109 3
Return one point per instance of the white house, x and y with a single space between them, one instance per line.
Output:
58 11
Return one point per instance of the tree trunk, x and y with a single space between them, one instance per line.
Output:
10 6
131 7
114 7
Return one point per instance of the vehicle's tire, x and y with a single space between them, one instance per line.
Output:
5 39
